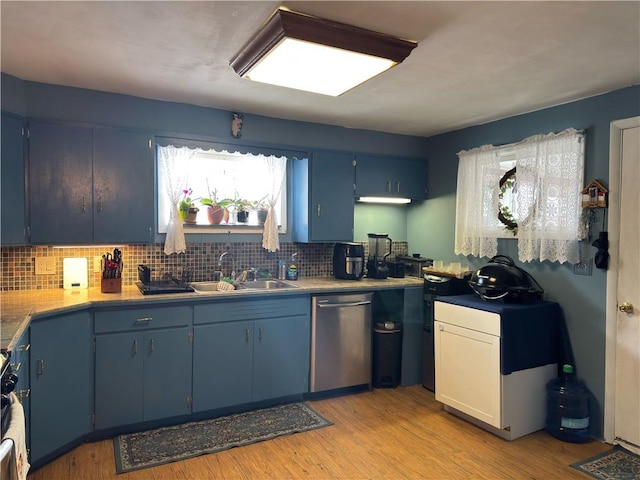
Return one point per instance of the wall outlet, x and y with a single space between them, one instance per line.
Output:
45 265
585 267
97 264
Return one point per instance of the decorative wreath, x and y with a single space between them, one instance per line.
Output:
505 215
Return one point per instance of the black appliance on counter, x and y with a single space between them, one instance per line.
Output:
396 269
379 250
501 279
436 285
348 260
414 264
159 287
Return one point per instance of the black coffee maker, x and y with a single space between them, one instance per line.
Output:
379 250
348 261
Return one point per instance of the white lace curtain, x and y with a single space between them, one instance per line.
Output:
277 167
549 179
173 164
477 202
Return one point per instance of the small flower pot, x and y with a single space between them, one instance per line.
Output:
262 216
243 216
189 216
215 215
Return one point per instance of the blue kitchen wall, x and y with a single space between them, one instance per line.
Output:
430 225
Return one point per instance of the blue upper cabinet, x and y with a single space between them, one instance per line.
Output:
122 186
60 183
13 192
323 198
89 185
384 176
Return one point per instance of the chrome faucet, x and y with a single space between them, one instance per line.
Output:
232 275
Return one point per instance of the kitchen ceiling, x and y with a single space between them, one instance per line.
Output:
475 62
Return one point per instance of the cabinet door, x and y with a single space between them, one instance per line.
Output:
167 373
119 376
391 177
13 192
60 183
281 357
123 186
323 198
61 380
468 372
222 365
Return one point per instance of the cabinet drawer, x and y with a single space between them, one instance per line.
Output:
141 318
251 309
472 318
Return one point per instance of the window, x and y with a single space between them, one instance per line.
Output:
543 196
191 180
233 181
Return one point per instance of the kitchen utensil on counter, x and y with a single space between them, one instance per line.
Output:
379 250
348 260
111 281
169 285
414 264
396 269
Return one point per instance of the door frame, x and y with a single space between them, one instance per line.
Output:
615 159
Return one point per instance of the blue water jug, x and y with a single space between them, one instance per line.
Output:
568 408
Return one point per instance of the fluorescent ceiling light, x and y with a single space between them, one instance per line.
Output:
384 200
317 55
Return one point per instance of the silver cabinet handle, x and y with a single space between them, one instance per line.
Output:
151 346
135 347
318 209
24 348
22 394
260 334
398 186
143 320
16 367
100 204
84 204
40 367
246 335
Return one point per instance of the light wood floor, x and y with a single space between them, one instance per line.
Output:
382 434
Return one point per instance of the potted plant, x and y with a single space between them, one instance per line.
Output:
187 208
262 209
216 210
242 207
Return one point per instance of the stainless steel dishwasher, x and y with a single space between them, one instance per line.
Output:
341 341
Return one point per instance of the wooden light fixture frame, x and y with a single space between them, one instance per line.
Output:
287 24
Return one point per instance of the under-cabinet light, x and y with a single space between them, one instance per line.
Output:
394 200
300 51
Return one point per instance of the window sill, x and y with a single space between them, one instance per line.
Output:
226 229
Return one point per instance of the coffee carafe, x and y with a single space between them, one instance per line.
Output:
379 250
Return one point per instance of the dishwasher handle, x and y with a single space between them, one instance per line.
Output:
350 304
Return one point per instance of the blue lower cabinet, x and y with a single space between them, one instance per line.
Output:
239 356
222 365
281 357
61 379
142 376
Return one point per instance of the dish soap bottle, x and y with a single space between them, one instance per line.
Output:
292 268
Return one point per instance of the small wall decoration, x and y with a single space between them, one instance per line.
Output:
236 125
594 195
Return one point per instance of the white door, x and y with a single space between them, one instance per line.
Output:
623 290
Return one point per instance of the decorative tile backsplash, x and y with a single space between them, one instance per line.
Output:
314 260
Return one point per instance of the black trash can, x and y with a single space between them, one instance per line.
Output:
387 354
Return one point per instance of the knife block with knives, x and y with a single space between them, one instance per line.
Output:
111 281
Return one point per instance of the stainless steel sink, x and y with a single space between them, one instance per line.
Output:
209 287
265 285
